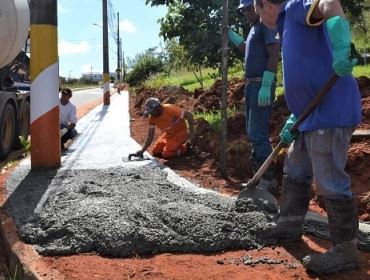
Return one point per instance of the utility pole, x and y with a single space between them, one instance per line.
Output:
118 52
45 150
106 78
123 63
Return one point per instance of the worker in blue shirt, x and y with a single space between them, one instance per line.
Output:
261 50
316 42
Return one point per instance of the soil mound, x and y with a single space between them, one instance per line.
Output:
202 163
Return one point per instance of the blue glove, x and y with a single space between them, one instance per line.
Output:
264 95
340 37
234 37
285 135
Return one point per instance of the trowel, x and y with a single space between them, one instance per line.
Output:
250 189
135 157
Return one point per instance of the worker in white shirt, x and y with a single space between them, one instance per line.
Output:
67 117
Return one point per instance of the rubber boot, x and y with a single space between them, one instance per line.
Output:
343 228
294 203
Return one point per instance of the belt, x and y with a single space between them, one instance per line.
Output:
254 80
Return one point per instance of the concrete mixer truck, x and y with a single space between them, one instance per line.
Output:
14 70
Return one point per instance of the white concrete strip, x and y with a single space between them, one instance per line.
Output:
104 138
365 228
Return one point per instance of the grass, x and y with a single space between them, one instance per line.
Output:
13 276
77 85
214 118
361 70
188 81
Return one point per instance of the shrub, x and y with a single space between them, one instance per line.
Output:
145 66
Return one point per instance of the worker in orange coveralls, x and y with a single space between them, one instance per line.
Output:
169 118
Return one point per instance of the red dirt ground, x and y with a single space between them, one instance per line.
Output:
201 166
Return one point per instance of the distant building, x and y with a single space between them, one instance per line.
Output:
97 76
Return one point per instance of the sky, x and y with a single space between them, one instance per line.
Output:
80 34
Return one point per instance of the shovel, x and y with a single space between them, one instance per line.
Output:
249 189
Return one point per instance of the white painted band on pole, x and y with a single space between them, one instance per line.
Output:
106 87
44 91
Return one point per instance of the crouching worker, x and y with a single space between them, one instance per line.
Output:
67 117
170 119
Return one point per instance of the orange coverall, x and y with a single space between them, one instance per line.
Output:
175 132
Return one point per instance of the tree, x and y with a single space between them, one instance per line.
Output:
178 57
196 25
143 66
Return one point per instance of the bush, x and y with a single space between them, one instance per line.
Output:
146 66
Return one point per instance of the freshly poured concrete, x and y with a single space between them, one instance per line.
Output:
124 211
98 203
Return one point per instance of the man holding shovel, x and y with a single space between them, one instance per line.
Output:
316 42
176 137
261 48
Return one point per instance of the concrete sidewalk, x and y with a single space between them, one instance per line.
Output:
98 202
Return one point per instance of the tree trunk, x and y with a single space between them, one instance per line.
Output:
224 45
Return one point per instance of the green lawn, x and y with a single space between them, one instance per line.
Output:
188 81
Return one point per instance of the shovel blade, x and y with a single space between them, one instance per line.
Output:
256 194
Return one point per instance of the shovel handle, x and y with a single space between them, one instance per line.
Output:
311 106
266 164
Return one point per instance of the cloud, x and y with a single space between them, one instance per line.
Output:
127 26
73 48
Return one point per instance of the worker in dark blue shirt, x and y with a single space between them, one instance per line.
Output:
261 49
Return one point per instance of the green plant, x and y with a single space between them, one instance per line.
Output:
214 117
26 143
12 276
146 65
361 70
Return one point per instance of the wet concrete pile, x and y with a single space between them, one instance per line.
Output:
123 212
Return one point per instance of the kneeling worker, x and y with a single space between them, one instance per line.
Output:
170 119
67 117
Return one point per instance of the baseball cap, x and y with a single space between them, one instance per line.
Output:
244 4
150 105
66 91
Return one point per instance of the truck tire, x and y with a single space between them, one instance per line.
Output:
7 130
23 126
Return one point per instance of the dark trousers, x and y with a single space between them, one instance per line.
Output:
71 133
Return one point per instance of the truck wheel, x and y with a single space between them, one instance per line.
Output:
23 127
7 130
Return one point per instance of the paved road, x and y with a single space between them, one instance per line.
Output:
81 97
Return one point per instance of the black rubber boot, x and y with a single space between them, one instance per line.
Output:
294 203
343 228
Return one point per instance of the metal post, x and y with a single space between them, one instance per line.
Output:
106 78
45 135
